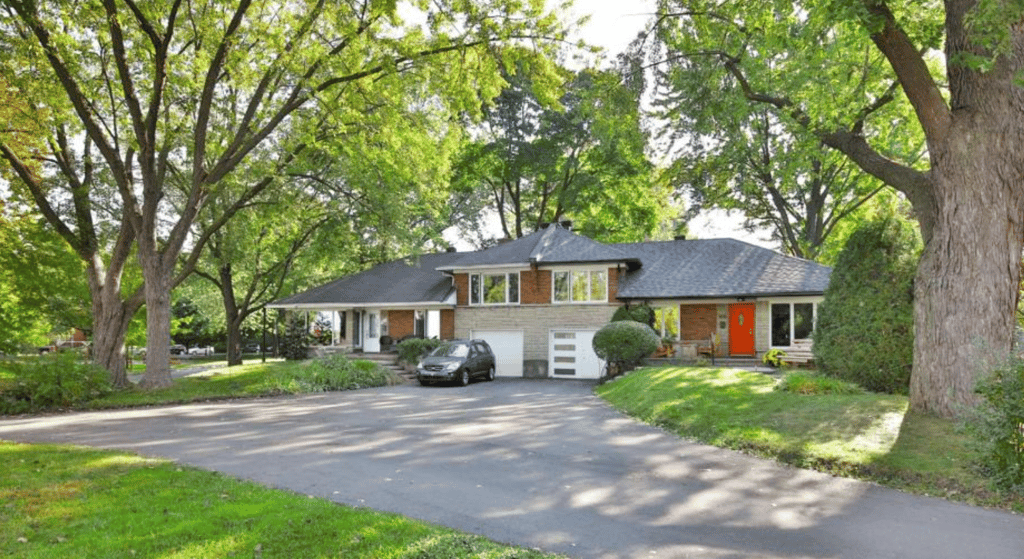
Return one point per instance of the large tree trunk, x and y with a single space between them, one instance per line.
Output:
158 327
232 316
234 328
965 291
968 280
111 317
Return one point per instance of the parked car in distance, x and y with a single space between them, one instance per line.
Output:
457 360
208 350
178 349
251 348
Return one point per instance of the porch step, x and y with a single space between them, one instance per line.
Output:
388 361
738 362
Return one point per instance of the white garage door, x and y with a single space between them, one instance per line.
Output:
571 355
508 350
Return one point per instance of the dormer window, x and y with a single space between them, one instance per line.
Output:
494 289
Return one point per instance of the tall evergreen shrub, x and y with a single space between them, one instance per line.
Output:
865 328
295 343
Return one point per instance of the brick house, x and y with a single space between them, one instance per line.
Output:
539 300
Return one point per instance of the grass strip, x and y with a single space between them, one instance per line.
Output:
60 501
868 436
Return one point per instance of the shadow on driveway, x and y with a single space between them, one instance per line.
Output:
541 464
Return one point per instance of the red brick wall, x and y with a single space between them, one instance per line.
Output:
535 287
613 284
448 323
698 321
461 290
401 324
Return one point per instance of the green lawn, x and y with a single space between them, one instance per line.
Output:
870 436
58 501
253 379
247 380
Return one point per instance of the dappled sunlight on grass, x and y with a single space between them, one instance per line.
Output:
863 435
75 502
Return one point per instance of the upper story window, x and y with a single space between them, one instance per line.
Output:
494 289
580 286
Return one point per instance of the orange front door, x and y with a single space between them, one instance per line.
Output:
741 329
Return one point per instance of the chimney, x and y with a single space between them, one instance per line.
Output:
680 237
566 224
451 249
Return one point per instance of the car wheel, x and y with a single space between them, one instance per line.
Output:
464 378
424 383
490 373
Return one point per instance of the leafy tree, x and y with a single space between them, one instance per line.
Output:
839 69
190 327
41 285
788 183
865 325
582 159
152 107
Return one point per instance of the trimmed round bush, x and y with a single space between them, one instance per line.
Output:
865 329
624 344
643 314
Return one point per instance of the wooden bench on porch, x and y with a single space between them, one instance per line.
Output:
799 352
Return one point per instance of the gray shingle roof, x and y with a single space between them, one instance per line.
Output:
704 268
411 280
709 268
553 245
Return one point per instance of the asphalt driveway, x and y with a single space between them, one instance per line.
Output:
542 464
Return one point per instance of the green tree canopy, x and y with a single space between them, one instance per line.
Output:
582 159
840 71
151 108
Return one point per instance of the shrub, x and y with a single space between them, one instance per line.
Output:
643 314
54 380
412 350
997 424
865 325
774 357
624 344
295 343
810 383
332 373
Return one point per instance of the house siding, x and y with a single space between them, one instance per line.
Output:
698 322
461 289
447 324
763 320
536 322
401 324
535 286
613 284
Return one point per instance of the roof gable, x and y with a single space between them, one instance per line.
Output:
552 245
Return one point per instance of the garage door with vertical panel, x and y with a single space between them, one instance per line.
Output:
508 350
571 355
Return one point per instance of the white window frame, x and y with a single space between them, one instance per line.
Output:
589 274
792 322
480 292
